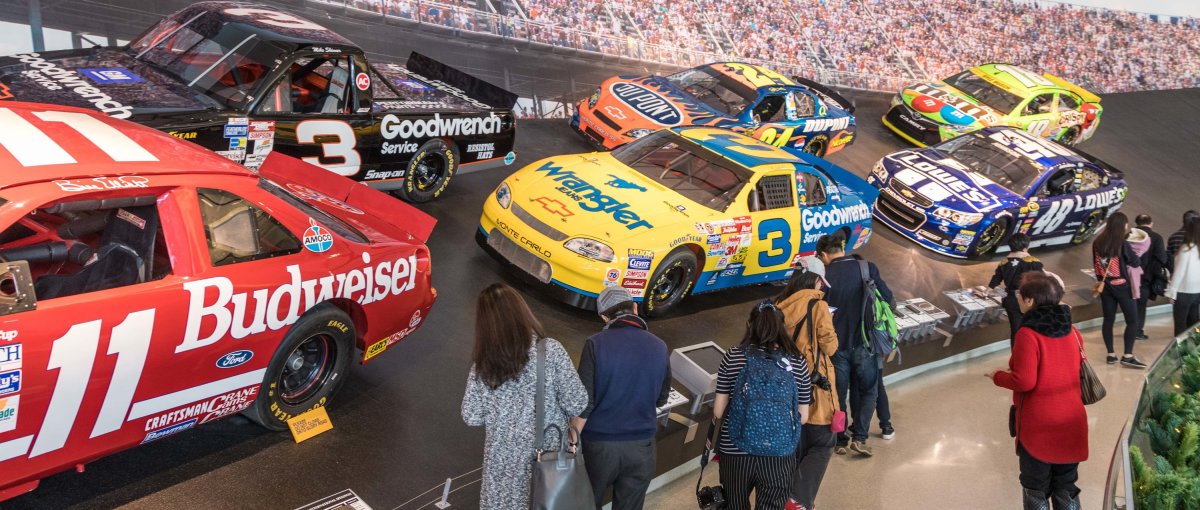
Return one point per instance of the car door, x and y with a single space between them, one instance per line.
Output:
1055 201
92 351
776 234
779 117
813 190
317 109
1037 115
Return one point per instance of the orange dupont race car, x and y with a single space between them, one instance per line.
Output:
786 112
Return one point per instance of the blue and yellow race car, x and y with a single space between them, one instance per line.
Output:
680 211
786 112
966 196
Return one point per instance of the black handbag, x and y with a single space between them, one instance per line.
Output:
559 480
1090 387
713 497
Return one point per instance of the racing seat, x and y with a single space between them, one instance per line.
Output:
335 91
123 258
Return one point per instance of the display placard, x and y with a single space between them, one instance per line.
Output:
309 424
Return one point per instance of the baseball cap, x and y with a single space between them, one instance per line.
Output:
610 297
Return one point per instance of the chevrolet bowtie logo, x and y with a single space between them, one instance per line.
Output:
554 206
907 193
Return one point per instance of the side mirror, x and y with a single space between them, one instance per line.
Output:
16 288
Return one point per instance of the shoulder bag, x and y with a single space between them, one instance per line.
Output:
559 480
1089 385
838 424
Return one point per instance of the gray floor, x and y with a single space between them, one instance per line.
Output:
952 449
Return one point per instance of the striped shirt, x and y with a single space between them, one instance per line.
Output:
731 367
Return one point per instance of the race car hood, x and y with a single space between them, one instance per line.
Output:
651 102
590 195
947 105
947 183
109 80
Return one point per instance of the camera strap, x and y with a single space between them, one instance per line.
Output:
704 456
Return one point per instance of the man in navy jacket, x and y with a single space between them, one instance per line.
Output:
858 369
627 374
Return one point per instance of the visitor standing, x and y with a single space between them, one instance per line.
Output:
1154 274
856 365
1176 238
501 393
1184 289
1048 419
806 315
1112 256
763 414
627 374
1009 272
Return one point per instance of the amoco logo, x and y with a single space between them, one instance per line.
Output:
317 239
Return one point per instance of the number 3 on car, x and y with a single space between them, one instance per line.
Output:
149 286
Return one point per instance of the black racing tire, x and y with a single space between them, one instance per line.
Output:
991 237
670 283
429 171
307 369
1070 137
1088 228
817 146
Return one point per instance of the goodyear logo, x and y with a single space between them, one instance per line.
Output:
646 102
590 198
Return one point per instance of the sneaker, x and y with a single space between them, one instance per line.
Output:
889 432
1112 360
840 449
861 448
1132 362
1142 336
794 505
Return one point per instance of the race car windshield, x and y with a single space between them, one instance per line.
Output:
990 95
218 59
714 89
686 168
986 157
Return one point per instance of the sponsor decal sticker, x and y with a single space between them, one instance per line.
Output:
687 238
183 135
316 238
235 358
640 259
647 103
206 410
404 147
8 413
714 239
619 183
412 84
10 382
509 158
376 348
10 357
554 206
8 335
362 81
637 273
393 127
236 131
110 75
169 431
103 183
237 144
863 237
415 319
633 283
834 216
611 275
133 219
591 199
614 112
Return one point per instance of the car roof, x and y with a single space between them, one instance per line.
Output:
39 144
269 28
1061 154
741 149
765 77
998 74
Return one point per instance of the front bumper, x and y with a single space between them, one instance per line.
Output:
910 218
912 126
598 129
558 291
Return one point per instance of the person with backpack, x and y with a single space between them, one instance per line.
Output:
763 394
1009 272
1112 258
1155 276
858 296
806 315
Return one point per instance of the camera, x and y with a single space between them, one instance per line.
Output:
711 498
819 380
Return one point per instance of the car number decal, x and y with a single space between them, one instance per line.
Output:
343 148
32 147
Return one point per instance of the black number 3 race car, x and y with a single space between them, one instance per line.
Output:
245 80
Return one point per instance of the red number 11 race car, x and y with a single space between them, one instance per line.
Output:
148 286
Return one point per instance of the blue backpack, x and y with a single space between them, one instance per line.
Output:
764 415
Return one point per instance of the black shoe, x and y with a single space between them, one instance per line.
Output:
1112 360
1034 500
1142 336
1065 501
889 432
1132 362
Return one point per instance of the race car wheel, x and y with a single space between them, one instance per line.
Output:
991 236
1088 227
429 171
1070 136
670 283
307 368
817 146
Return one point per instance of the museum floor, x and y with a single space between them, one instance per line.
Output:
952 449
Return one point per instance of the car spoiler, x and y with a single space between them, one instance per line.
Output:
846 104
1099 162
377 206
473 87
1084 94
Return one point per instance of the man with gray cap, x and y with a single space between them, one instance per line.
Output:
627 374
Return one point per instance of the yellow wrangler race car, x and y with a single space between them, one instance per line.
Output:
682 210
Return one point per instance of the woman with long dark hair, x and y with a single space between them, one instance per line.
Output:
1048 419
1112 256
809 321
1184 289
501 393
759 436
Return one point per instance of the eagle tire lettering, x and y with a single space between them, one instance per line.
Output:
310 386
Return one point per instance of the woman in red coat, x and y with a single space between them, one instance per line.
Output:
1043 374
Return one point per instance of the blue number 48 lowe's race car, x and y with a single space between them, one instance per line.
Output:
966 196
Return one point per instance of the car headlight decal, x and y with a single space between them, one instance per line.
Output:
638 133
503 195
965 219
595 97
591 249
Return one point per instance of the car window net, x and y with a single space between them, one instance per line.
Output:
689 170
